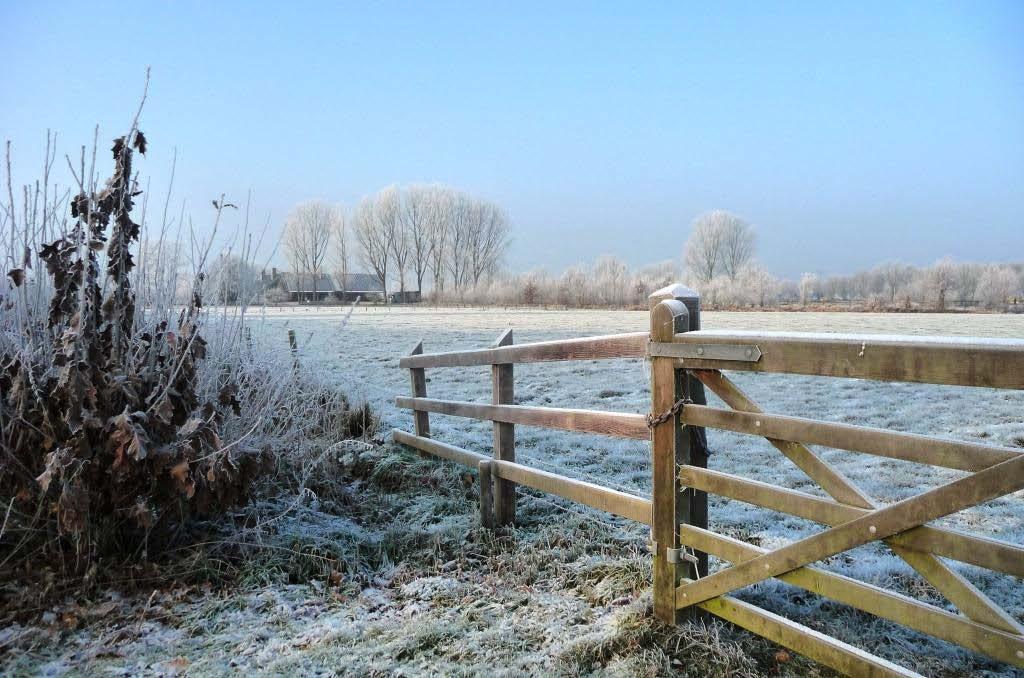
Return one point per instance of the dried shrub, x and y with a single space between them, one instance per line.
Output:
109 444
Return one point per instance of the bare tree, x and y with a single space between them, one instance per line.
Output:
416 213
387 208
809 284
703 254
307 238
438 232
374 247
457 212
610 279
340 250
996 285
738 242
967 276
896 275
940 281
487 238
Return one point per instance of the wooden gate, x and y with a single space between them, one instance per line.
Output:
684 361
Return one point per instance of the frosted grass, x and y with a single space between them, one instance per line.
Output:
364 356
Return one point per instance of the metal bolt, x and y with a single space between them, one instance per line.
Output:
872 529
757 422
700 350
749 352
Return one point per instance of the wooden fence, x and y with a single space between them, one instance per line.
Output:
684 361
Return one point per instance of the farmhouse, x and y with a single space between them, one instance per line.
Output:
306 287
364 286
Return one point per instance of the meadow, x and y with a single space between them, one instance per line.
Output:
376 564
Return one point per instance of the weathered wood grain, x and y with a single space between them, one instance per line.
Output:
904 515
580 491
615 424
956 588
922 449
583 492
875 600
628 345
503 393
984 552
418 381
439 449
932 360
823 649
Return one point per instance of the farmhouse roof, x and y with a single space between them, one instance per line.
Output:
360 282
303 282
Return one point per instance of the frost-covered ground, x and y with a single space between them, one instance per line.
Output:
365 352
566 592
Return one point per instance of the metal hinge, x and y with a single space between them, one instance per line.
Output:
674 556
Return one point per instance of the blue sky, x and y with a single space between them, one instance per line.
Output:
846 133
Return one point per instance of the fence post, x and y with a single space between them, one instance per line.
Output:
486 494
503 393
674 309
418 380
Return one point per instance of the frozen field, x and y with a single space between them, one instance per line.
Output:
568 592
363 352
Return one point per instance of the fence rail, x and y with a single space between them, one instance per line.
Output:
684 361
957 361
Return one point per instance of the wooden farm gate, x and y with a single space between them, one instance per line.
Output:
684 361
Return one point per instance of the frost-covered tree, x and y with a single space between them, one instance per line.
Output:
417 213
611 277
339 249
896 276
720 242
809 284
307 238
940 281
372 236
996 285
703 253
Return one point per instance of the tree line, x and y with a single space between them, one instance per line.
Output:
443 240
402 235
720 260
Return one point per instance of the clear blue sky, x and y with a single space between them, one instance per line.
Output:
847 133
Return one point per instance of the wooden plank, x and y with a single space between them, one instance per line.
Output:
921 449
628 345
615 424
904 515
418 380
486 494
603 498
957 589
875 600
995 363
503 393
981 551
823 649
439 449
668 316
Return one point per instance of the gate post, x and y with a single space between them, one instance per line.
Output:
418 380
674 309
503 393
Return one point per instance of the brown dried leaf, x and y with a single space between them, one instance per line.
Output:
17 275
185 484
140 142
